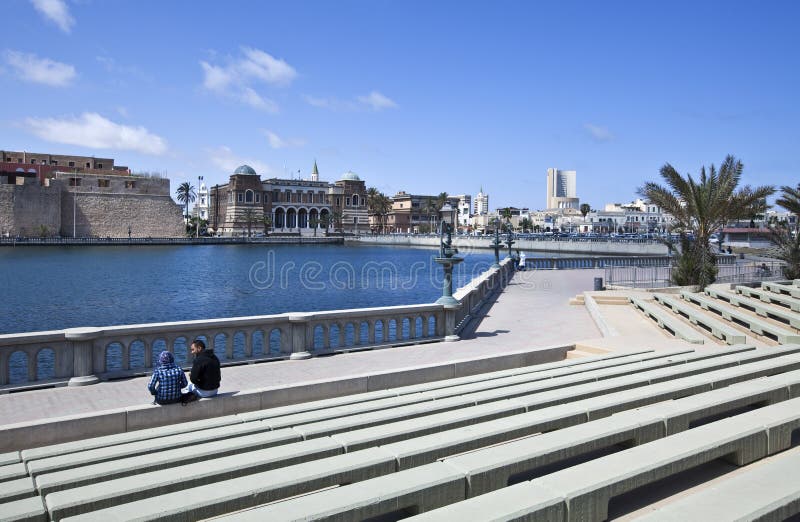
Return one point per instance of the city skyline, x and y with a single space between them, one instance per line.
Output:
415 97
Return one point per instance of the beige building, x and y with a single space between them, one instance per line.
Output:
561 189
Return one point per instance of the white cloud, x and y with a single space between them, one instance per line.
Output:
237 79
250 97
374 101
94 131
224 158
276 142
56 11
377 101
597 133
31 68
265 67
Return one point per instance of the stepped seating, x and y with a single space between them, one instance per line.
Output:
760 493
777 333
770 297
771 312
667 321
718 329
778 288
402 450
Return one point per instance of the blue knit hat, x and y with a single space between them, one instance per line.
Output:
165 358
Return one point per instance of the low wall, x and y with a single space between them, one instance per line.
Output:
34 434
588 246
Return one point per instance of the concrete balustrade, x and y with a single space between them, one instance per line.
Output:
82 356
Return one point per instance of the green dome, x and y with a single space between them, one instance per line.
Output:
350 176
246 170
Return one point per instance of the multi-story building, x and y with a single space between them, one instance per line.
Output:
561 189
292 206
201 204
464 210
481 203
412 213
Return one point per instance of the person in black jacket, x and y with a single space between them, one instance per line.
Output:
205 376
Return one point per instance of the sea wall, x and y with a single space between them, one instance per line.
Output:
30 210
110 214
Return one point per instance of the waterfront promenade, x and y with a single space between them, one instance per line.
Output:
532 312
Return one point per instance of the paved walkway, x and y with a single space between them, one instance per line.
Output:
531 312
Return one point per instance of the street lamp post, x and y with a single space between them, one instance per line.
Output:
510 239
496 244
447 259
197 224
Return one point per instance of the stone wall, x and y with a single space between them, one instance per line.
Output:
29 210
107 214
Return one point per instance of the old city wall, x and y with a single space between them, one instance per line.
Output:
29 210
107 214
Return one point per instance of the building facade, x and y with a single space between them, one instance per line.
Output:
562 189
248 204
481 203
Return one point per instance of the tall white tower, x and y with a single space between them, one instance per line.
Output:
315 172
561 189
481 203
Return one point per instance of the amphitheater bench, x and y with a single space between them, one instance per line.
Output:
672 324
790 318
761 492
758 326
778 288
717 328
770 297
28 509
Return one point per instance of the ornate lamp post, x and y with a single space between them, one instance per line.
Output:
510 239
446 256
496 244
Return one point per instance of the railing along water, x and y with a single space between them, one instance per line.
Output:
85 355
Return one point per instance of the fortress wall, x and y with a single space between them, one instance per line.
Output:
106 214
25 209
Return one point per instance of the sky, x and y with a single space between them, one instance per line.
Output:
420 96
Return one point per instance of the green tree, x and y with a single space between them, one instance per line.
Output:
337 219
526 225
185 194
325 222
788 241
585 209
700 208
313 222
266 221
430 210
249 217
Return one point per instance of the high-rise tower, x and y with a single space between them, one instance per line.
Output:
561 189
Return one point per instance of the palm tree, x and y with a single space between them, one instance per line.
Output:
431 209
384 208
526 225
325 222
186 194
337 219
267 222
313 222
788 243
249 217
701 208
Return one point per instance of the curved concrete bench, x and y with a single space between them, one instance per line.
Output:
770 297
678 328
760 493
758 326
717 328
757 306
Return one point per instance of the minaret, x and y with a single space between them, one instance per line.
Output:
315 172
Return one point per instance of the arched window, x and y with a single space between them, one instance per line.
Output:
355 200
248 196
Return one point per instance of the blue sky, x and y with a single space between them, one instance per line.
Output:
417 96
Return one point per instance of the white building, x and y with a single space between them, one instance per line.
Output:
562 189
481 203
464 210
201 203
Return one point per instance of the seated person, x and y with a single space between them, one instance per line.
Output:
205 375
167 380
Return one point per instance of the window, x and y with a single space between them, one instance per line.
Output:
99 165
88 165
258 198
103 183
130 184
347 201
71 164
248 196
33 162
19 160
338 202
53 162
74 182
355 200
230 197
239 197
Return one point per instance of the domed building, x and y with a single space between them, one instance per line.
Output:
249 205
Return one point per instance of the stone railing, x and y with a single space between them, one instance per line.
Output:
103 241
86 355
568 263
